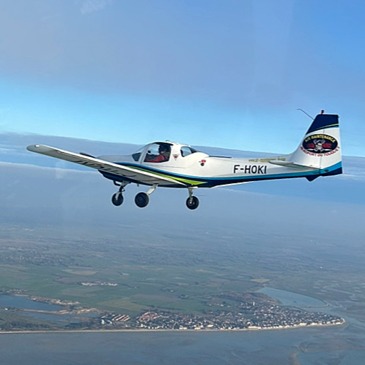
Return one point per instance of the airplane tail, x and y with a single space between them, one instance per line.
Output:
320 148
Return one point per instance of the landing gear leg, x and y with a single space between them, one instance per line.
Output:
142 199
117 198
192 202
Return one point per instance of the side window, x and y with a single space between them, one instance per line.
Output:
186 151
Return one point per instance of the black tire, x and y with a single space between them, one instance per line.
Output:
192 203
117 199
141 200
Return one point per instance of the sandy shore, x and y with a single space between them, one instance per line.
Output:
146 330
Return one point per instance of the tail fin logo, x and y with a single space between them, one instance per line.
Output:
320 145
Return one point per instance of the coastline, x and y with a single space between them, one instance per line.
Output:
153 330
280 318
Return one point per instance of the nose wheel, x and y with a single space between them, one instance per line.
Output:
192 202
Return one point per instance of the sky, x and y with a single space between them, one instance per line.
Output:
229 74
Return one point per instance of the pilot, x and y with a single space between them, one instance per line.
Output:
163 153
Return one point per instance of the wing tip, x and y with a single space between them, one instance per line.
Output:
33 147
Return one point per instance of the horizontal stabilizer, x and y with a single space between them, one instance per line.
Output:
293 165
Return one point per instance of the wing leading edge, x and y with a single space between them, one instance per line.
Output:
111 168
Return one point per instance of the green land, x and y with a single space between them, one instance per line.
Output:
186 273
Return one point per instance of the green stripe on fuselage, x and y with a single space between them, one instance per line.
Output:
187 181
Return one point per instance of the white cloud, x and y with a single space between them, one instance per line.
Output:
353 169
354 175
92 6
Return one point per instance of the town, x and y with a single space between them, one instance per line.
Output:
248 315
228 311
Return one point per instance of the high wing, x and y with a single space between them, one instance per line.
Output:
129 173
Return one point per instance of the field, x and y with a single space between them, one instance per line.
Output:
184 273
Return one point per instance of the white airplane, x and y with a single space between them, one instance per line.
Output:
174 165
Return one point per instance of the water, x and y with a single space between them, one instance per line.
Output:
270 347
326 345
294 299
23 302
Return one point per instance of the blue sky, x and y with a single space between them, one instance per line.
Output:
217 73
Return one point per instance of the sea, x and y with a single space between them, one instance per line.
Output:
332 345
329 345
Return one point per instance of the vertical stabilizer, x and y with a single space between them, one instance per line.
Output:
321 147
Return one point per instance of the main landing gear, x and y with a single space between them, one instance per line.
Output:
142 199
117 198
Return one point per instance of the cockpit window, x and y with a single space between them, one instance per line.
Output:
158 152
186 151
137 155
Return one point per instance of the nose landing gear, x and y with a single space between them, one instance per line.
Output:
192 202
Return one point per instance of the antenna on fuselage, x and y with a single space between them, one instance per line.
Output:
303 111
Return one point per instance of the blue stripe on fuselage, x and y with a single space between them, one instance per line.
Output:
216 181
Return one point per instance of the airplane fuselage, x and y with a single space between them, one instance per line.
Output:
211 171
